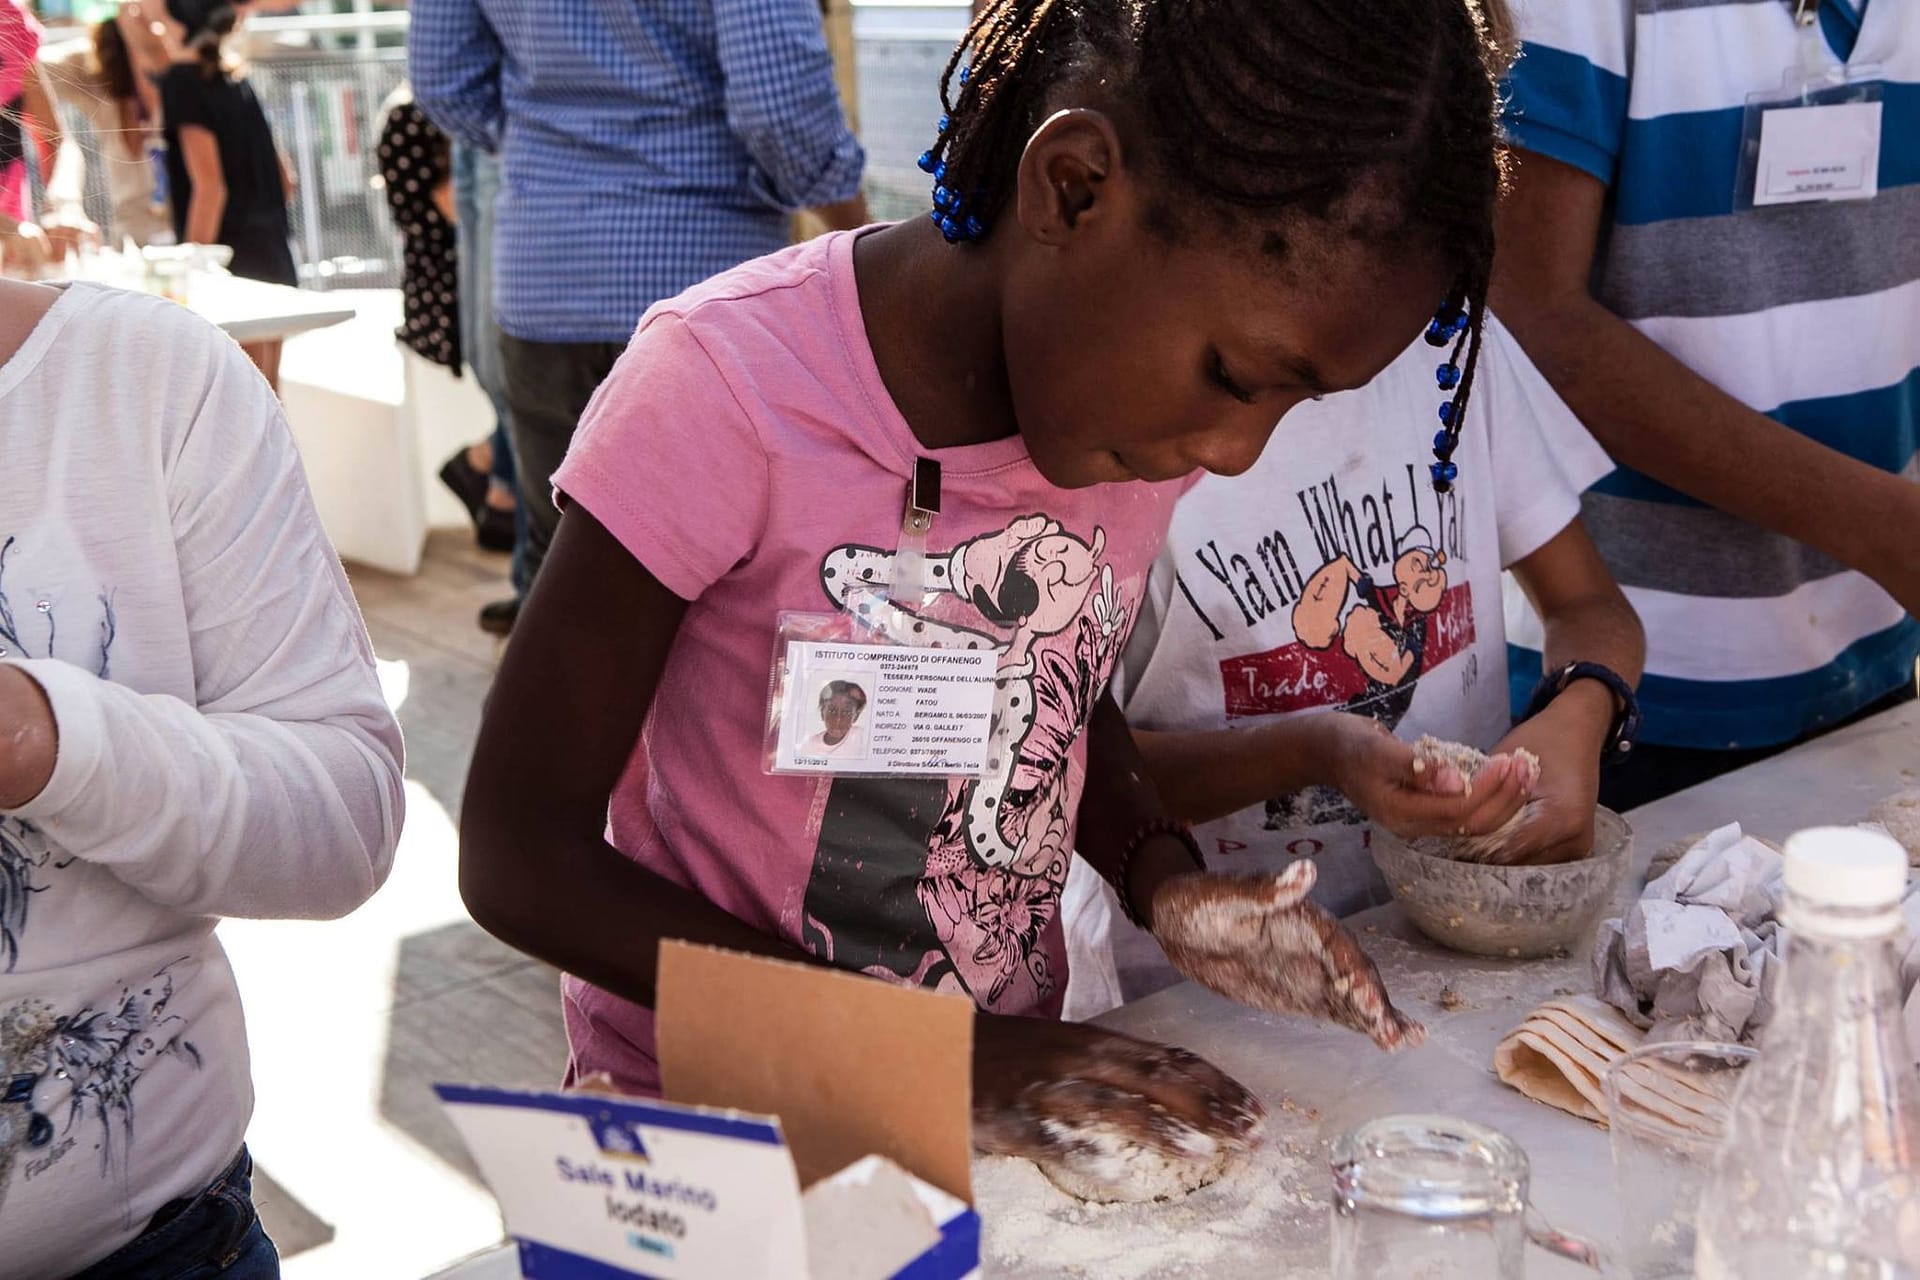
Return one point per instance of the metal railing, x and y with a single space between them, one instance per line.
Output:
326 110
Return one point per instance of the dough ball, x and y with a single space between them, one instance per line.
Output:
1100 1164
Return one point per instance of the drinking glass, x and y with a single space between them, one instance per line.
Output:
1428 1196
1667 1108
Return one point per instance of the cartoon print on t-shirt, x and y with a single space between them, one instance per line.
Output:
1382 633
91 1061
952 882
1379 614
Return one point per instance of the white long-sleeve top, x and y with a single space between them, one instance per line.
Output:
224 750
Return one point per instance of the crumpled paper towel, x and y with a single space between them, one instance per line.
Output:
1696 958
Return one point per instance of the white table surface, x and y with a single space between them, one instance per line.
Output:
255 311
1270 1219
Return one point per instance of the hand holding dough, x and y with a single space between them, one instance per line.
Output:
1256 939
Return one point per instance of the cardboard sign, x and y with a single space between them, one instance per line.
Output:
852 1066
598 1186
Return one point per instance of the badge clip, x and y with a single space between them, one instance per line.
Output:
908 587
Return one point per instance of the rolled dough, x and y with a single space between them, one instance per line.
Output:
1561 1054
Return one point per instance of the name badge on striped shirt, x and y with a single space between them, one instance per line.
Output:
1812 141
1819 153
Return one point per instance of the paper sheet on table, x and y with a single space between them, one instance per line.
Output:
1696 958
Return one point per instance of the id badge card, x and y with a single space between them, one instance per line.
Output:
1816 138
865 693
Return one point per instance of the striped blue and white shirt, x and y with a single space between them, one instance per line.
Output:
645 145
1807 312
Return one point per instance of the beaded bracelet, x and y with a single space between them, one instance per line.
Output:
1148 830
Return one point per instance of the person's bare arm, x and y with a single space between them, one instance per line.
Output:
1210 773
536 870
41 120
132 138
201 152
846 215
1582 609
145 51
1587 619
1657 416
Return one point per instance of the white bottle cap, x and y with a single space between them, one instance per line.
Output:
1846 867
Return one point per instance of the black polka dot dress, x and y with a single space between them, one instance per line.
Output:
415 160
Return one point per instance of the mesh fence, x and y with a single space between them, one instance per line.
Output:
325 107
326 111
899 86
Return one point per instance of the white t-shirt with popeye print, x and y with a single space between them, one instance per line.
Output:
1331 577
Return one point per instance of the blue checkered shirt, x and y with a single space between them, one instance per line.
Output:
645 144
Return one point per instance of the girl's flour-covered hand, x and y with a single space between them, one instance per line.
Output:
1105 1116
1257 940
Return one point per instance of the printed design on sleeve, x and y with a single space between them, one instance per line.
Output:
67 1080
24 852
952 883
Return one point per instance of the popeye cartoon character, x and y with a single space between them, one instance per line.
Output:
1382 630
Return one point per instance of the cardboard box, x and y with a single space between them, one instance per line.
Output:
778 1077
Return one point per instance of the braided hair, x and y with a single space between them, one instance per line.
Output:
1377 118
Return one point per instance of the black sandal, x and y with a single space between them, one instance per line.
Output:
468 483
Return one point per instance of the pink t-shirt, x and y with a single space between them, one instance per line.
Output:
746 451
19 47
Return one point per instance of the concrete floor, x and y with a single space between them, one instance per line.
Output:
353 1021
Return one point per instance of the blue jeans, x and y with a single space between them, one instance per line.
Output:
214 1234
476 186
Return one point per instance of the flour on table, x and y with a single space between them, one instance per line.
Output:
1900 815
1032 1228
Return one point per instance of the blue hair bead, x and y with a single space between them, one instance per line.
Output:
1444 474
974 228
945 123
942 197
937 217
1442 442
940 172
926 162
966 74
1447 375
1437 334
1446 412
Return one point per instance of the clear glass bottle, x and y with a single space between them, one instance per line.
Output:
1819 1177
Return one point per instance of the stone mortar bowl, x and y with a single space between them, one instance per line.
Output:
1509 913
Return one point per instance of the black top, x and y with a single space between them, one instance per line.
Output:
416 161
254 224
